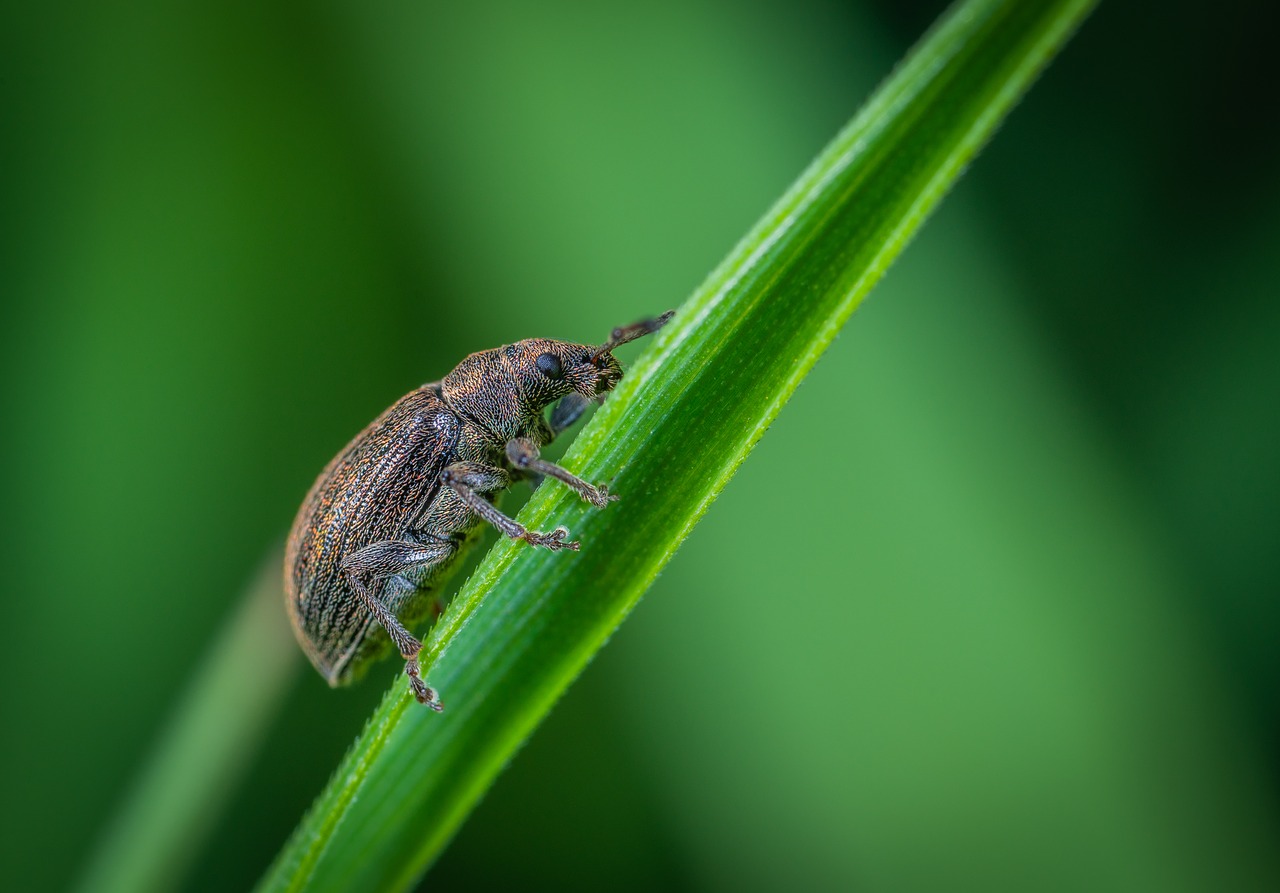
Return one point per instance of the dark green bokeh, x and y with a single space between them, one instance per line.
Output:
993 606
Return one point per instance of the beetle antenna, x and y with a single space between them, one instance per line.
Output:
623 334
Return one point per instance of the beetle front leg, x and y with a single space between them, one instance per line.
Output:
379 561
567 411
523 454
469 480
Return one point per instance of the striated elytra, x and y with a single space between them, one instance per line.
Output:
389 516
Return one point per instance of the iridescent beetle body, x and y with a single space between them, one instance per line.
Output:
389 516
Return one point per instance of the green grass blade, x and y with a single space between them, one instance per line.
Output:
206 748
667 441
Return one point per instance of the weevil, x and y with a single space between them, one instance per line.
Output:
391 514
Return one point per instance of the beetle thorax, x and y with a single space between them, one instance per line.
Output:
485 388
481 390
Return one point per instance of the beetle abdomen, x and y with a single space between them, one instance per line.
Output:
369 493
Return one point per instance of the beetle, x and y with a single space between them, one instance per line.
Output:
390 515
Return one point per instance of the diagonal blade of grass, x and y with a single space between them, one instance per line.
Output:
668 440
207 746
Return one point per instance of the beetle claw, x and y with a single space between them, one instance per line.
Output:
424 693
555 540
599 496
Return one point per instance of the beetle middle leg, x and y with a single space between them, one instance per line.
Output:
469 480
523 454
379 561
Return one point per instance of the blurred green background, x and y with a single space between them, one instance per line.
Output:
992 607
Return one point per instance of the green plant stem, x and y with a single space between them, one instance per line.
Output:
668 440
205 749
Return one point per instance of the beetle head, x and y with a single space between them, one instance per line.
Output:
508 388
547 370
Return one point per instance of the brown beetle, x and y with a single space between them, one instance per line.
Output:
391 514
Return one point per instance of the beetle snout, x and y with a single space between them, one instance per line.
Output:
609 376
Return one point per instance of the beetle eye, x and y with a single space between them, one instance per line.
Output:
549 365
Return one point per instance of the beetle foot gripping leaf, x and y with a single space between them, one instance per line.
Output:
393 510
555 540
424 693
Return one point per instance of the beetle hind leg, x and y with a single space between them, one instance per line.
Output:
391 558
424 693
